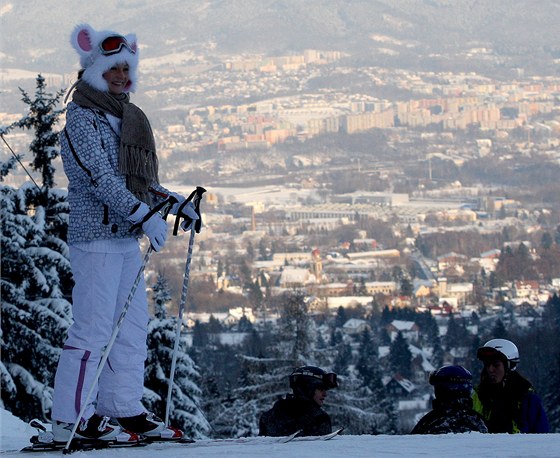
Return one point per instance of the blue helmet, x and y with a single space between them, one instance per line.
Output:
451 381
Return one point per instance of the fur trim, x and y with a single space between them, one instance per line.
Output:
85 40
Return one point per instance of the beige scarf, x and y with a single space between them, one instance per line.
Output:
137 152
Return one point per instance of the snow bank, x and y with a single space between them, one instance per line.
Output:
15 434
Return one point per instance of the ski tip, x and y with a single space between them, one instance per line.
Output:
291 436
186 440
336 432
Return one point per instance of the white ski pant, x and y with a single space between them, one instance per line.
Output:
103 282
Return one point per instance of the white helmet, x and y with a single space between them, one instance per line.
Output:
501 348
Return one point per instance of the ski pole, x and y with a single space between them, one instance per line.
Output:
164 206
196 197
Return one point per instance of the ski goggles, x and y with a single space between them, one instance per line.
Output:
114 44
330 380
489 353
327 381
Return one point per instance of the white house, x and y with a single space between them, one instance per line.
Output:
355 326
409 330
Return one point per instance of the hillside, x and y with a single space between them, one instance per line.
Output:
393 30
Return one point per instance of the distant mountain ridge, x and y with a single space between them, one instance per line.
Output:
33 30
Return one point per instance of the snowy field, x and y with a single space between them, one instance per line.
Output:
15 434
270 194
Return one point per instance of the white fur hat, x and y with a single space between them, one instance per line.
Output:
87 42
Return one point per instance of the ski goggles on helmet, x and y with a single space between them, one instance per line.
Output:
325 380
114 44
489 353
330 380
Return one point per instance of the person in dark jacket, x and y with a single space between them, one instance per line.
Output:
452 409
301 411
505 398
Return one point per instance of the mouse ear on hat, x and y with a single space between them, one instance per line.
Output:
83 40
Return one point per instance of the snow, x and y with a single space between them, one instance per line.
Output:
281 196
14 435
16 74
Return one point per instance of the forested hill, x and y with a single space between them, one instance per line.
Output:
35 34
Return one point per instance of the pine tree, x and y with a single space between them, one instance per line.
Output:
9 165
262 381
499 330
320 343
341 317
546 241
36 277
263 378
42 118
551 398
343 358
400 356
200 335
35 313
552 312
352 406
244 324
294 340
185 412
551 359
335 337
361 403
457 333
407 288
367 365
437 352
253 345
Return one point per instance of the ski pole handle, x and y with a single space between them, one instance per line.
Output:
163 207
196 197
166 206
198 224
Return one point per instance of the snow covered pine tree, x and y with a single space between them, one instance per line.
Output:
36 279
185 400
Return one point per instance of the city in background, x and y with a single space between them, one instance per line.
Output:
397 186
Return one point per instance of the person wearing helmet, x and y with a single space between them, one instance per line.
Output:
452 410
505 398
301 410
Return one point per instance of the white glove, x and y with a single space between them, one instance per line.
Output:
180 200
189 212
154 227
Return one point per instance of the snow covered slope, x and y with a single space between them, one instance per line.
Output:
15 434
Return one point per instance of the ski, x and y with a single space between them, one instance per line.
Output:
259 440
155 440
44 443
38 444
325 437
289 438
251 440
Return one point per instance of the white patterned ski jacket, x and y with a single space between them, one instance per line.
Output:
99 201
